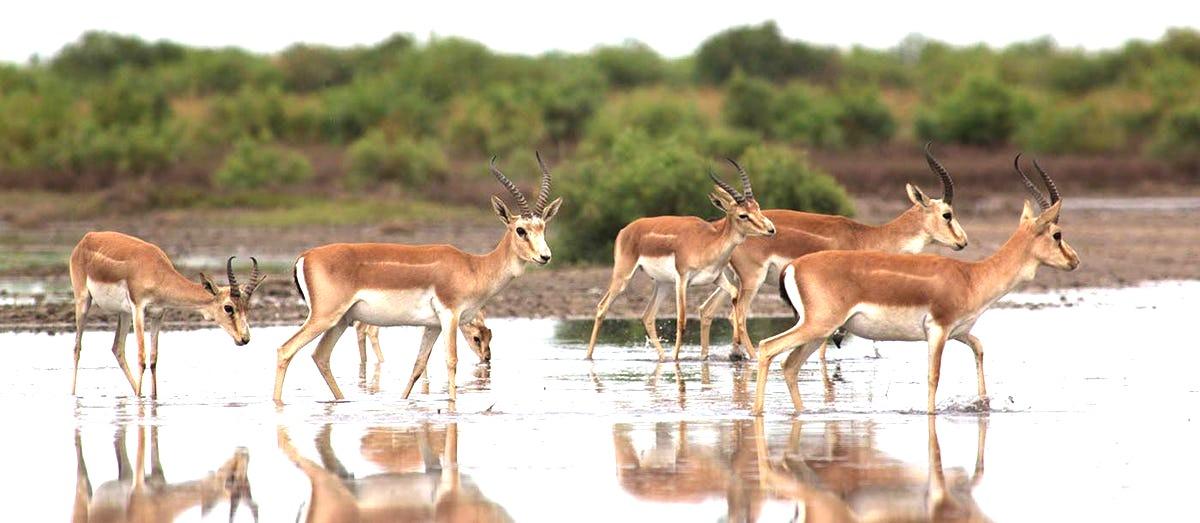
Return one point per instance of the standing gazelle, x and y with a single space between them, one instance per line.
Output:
135 279
678 251
432 286
929 220
910 297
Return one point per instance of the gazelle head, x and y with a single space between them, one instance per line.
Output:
940 221
528 230
1048 246
740 207
230 304
480 338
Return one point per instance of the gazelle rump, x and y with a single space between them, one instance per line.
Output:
136 280
477 334
431 286
929 220
678 251
910 297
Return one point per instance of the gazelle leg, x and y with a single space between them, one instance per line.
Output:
977 348
650 315
621 274
312 328
155 326
325 350
936 336
429 336
680 311
82 305
139 332
449 320
360 332
747 290
791 371
373 337
811 329
708 310
118 348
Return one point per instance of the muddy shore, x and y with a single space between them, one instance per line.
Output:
1122 241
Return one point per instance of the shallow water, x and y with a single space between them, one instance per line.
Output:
1093 417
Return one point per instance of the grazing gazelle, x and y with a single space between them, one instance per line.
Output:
135 279
929 220
477 334
910 297
431 286
678 251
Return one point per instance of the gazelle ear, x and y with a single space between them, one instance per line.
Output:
551 209
1027 212
916 195
722 200
501 210
208 284
1050 215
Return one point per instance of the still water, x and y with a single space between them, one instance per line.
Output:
1094 405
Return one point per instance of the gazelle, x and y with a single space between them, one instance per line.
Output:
135 279
432 286
477 334
679 251
929 220
911 297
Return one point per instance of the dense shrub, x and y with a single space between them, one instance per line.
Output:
727 142
1078 73
254 164
863 118
96 155
129 100
801 114
496 121
249 112
569 98
308 68
658 114
761 51
630 65
1081 128
1178 136
981 111
347 112
413 163
749 103
783 179
209 71
97 54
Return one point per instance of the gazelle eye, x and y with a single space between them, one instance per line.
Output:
477 340
947 216
1058 236
744 216
521 232
229 309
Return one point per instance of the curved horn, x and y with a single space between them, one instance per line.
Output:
234 290
1049 183
512 188
544 191
256 278
1029 186
947 183
747 192
726 187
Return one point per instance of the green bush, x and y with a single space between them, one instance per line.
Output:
254 164
981 111
570 97
413 163
97 54
658 114
762 51
783 179
130 99
209 71
307 68
494 122
1080 128
1178 136
103 153
749 103
347 112
249 112
804 115
727 142
863 118
631 64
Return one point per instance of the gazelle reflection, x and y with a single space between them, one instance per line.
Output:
836 474
136 497
417 485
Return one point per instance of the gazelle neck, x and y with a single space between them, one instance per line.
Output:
502 263
177 292
729 237
1012 264
905 233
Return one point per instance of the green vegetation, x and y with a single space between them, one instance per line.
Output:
168 123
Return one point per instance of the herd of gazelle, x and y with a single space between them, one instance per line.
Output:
834 272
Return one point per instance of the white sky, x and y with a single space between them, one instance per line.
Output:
533 26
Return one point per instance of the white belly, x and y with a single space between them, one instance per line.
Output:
660 268
110 297
883 323
396 307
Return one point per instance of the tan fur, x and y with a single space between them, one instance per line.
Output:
836 287
698 252
146 274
